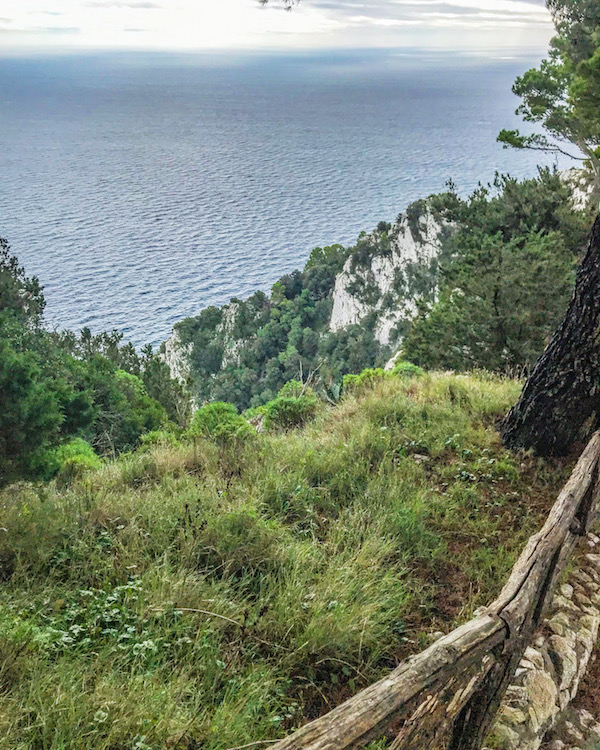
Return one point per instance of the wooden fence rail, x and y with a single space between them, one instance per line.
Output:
448 695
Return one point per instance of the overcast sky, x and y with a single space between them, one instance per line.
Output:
218 24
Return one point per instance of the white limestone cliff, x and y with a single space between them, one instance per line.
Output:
581 184
413 246
176 355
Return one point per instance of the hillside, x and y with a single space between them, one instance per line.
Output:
457 283
209 591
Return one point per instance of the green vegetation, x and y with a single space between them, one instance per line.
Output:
505 276
188 595
563 94
245 352
221 423
56 387
216 582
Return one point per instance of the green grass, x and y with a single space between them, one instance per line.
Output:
192 595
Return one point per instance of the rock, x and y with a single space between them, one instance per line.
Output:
559 624
506 736
564 659
543 696
571 733
393 277
548 675
590 622
176 355
594 559
564 604
534 657
512 716
582 599
517 696
586 719
583 577
567 590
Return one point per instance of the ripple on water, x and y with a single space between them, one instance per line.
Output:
140 196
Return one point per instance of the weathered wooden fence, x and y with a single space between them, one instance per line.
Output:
448 695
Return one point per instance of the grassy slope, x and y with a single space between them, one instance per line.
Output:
329 553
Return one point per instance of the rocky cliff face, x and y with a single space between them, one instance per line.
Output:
377 289
176 355
386 284
581 184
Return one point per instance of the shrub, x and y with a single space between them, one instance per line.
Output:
163 438
64 459
367 378
221 423
76 467
287 412
408 370
295 389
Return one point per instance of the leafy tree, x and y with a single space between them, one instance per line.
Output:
505 276
148 366
30 411
40 403
244 353
123 411
563 94
21 298
559 403
56 387
502 307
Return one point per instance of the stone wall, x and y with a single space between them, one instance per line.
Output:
548 677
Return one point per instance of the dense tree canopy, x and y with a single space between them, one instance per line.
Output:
54 387
506 276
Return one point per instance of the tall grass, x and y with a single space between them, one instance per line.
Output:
192 596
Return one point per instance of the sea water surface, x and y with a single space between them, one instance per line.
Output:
142 188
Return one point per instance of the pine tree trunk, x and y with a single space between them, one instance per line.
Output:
560 402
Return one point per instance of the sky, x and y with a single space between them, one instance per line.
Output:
42 25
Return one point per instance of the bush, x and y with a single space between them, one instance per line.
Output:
367 378
408 370
163 438
76 467
221 423
295 389
287 412
63 459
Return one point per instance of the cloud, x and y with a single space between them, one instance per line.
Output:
45 30
130 4
205 24
406 9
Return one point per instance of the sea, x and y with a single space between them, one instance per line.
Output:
141 188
